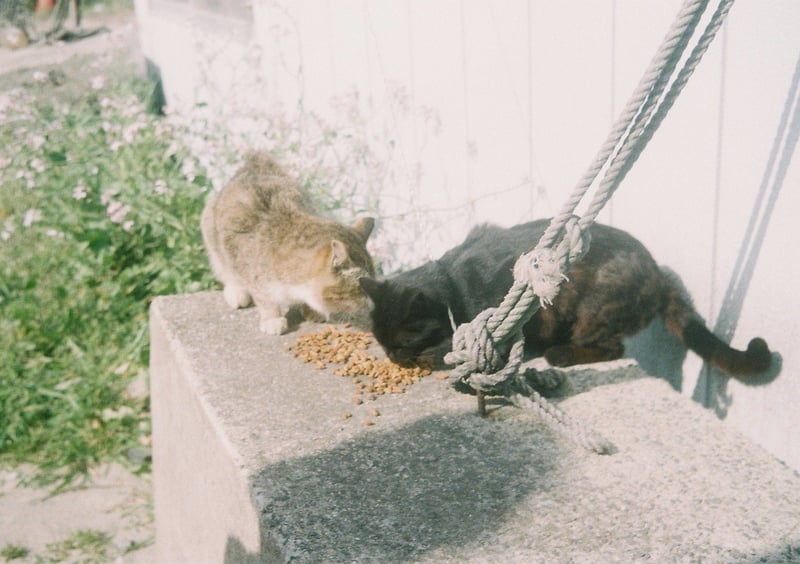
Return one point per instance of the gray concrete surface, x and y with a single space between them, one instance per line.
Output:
119 36
254 462
114 501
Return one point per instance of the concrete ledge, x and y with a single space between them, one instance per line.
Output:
253 462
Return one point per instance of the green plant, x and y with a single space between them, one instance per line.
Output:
85 545
13 552
99 213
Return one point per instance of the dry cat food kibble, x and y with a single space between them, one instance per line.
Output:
372 376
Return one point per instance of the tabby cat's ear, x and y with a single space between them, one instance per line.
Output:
370 286
364 227
338 253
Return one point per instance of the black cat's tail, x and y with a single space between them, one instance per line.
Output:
683 322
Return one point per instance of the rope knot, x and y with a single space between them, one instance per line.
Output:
474 343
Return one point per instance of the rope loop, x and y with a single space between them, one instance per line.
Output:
577 239
494 382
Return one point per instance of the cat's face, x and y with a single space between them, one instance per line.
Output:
408 324
342 264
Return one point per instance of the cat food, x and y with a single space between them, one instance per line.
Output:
371 376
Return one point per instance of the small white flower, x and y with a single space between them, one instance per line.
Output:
39 76
31 216
161 187
98 82
107 197
8 230
187 168
6 102
37 165
35 142
127 226
129 133
81 191
117 211
54 233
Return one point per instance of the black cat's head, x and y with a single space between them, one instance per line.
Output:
406 322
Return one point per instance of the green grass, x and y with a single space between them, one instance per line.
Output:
85 545
99 211
13 552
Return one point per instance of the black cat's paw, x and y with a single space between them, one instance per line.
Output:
541 376
544 380
560 356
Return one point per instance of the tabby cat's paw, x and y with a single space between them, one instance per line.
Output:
236 296
274 326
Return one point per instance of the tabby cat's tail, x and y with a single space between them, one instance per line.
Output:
683 322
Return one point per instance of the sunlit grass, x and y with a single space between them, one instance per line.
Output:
99 212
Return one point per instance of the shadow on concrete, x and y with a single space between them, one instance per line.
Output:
659 352
712 389
440 483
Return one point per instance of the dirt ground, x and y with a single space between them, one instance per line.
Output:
114 503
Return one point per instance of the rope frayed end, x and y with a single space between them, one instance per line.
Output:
541 270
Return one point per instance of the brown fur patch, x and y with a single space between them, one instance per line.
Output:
265 241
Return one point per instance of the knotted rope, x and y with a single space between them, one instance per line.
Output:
487 352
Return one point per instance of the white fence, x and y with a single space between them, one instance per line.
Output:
437 115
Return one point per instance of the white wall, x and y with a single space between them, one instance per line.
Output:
459 111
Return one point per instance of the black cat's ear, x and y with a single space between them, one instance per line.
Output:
370 286
338 253
364 227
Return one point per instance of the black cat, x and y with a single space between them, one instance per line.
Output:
614 291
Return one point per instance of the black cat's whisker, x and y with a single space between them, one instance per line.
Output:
452 319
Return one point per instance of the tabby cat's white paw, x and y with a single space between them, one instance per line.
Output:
236 296
274 326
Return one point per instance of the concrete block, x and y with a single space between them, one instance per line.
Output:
253 462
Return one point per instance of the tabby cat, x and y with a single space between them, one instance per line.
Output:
614 291
267 245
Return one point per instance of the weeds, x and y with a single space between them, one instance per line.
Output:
13 552
98 214
85 545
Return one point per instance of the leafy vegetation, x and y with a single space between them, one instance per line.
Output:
99 211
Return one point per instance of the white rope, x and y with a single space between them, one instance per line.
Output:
482 355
